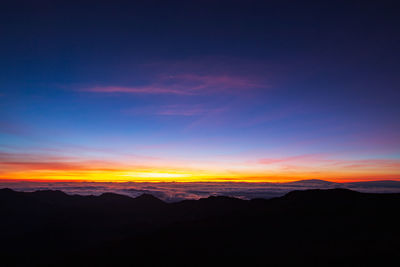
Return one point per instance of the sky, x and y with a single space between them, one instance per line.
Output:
199 91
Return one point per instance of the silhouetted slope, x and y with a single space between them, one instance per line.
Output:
312 182
312 227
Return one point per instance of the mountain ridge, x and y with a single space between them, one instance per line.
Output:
57 229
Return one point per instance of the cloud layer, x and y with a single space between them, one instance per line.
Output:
171 192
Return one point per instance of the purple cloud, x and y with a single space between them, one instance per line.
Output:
185 84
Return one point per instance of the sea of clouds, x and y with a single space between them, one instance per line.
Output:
172 192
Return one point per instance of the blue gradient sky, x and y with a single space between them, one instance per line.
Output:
254 90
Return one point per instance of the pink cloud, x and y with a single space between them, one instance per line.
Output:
318 161
9 157
367 163
26 161
184 84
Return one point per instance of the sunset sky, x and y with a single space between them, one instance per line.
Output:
255 91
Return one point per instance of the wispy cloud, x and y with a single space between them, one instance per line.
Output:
324 163
49 162
29 162
184 84
368 163
23 157
150 89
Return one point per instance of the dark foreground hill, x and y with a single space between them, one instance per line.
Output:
336 227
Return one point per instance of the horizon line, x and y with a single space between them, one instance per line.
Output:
5 180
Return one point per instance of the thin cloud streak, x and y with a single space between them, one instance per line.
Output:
184 84
137 90
324 160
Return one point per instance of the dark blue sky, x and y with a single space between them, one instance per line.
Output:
276 89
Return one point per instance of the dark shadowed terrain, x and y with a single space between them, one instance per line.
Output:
335 227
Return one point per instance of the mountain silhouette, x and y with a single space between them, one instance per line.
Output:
312 182
148 199
334 227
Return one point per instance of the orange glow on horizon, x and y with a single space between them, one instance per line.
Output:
177 176
14 166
